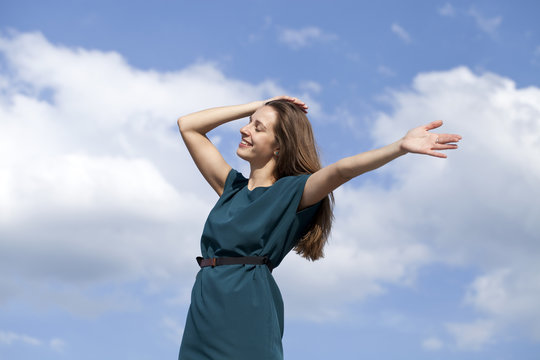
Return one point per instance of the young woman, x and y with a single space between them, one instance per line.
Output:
236 308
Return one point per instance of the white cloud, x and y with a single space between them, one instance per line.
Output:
112 196
460 211
96 185
386 71
447 10
474 335
366 249
311 87
9 337
298 38
401 33
432 344
487 25
510 296
173 328
479 197
490 291
57 344
536 55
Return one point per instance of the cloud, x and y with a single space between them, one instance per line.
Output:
9 337
96 187
509 295
173 328
536 55
432 344
385 71
401 33
311 87
97 191
472 336
447 10
460 212
299 38
57 344
487 25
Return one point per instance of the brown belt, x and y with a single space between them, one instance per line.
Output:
247 260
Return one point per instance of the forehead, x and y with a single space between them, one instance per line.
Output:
266 115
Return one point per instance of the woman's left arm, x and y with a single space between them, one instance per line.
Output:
418 140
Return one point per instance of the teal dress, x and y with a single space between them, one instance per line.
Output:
236 311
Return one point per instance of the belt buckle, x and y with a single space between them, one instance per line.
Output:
214 262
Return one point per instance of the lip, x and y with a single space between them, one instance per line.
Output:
244 143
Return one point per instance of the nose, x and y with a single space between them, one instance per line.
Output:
244 130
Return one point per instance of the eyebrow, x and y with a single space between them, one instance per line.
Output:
257 122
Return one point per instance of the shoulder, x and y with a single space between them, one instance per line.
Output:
292 182
293 179
235 180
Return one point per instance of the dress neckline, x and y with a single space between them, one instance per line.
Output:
258 187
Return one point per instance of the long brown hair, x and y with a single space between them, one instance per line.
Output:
298 154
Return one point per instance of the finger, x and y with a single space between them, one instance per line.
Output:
434 124
299 103
447 138
293 100
283 97
437 154
445 147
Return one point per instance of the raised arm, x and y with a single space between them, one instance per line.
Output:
206 156
418 140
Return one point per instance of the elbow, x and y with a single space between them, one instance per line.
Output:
342 172
181 124
188 124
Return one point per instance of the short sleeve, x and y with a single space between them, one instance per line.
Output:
304 219
235 180
300 221
305 216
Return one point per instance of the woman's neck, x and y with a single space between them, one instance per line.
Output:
262 176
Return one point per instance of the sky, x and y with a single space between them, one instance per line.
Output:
101 207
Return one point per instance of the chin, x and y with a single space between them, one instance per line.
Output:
240 155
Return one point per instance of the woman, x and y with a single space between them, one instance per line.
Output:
236 308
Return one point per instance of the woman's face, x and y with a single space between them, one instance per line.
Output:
258 140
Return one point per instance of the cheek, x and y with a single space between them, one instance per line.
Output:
275 143
271 142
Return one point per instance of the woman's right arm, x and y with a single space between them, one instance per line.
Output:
207 157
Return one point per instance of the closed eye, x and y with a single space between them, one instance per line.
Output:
258 125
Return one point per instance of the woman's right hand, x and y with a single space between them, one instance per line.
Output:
291 99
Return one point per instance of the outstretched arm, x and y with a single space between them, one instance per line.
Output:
418 140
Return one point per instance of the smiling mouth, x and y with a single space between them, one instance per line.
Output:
245 143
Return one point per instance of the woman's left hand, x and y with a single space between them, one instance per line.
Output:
419 140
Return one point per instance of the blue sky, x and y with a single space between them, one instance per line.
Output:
101 208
